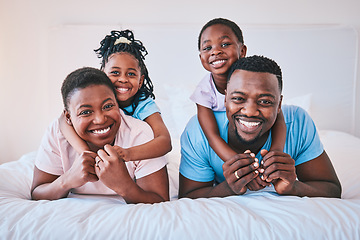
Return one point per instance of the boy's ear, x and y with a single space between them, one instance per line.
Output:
280 103
243 51
67 117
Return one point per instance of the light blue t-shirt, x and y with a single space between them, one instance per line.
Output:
144 109
200 163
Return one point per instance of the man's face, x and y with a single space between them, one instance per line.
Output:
252 102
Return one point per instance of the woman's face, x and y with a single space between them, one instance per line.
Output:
124 72
94 114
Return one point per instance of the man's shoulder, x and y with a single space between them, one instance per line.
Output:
292 112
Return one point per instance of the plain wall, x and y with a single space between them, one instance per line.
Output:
25 49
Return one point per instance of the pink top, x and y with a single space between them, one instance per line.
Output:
56 156
207 95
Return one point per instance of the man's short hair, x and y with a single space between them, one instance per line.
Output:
258 64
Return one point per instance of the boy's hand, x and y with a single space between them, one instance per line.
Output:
124 154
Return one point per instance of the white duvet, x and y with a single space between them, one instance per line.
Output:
259 215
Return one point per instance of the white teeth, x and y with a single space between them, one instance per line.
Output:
102 131
122 90
218 62
249 124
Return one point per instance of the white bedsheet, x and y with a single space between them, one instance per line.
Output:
260 215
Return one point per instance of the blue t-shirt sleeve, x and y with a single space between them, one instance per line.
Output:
303 141
194 163
144 109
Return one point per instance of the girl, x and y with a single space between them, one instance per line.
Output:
123 62
221 43
90 106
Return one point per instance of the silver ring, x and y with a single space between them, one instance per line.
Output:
97 162
236 175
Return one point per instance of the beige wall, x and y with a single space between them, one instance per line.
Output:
24 55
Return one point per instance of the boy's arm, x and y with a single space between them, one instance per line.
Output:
278 133
210 128
157 147
71 136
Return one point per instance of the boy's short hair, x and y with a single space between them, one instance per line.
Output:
234 27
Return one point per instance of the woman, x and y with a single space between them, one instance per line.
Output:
91 108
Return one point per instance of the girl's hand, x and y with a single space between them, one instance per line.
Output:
112 171
82 170
124 154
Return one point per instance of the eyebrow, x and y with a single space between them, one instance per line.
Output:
89 106
222 37
260 95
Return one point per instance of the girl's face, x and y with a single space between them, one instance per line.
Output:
219 49
124 72
94 114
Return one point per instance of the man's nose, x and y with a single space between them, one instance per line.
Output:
250 108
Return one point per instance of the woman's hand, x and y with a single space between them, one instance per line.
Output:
82 170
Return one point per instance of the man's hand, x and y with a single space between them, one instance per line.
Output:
239 171
279 170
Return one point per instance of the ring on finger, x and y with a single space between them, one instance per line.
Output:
236 174
97 162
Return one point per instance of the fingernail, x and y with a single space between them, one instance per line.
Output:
256 160
252 155
263 177
261 170
256 164
247 151
256 171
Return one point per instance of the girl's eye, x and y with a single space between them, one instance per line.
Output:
84 112
114 73
131 74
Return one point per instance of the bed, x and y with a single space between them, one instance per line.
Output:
256 215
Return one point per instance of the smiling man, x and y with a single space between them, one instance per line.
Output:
253 100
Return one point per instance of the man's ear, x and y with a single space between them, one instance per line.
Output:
280 103
67 117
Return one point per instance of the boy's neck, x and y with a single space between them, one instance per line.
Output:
220 82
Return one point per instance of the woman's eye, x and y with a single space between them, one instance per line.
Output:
85 112
108 106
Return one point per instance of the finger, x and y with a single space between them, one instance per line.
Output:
278 168
110 150
241 172
280 157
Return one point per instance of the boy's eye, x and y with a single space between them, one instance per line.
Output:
114 72
225 44
206 48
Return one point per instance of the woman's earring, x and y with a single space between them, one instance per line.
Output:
68 121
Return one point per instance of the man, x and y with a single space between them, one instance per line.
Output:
253 100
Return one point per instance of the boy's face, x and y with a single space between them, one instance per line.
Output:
219 49
252 102
94 114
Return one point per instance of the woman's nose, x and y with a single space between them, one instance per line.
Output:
99 118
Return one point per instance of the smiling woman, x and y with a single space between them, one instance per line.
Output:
91 108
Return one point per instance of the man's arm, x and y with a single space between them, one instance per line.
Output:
315 178
238 171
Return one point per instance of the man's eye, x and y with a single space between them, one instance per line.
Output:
265 102
237 99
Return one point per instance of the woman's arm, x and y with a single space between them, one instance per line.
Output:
52 187
210 128
113 172
71 136
157 147
278 133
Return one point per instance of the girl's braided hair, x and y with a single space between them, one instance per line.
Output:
123 41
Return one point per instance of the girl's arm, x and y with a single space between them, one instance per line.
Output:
210 128
71 136
278 133
157 147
